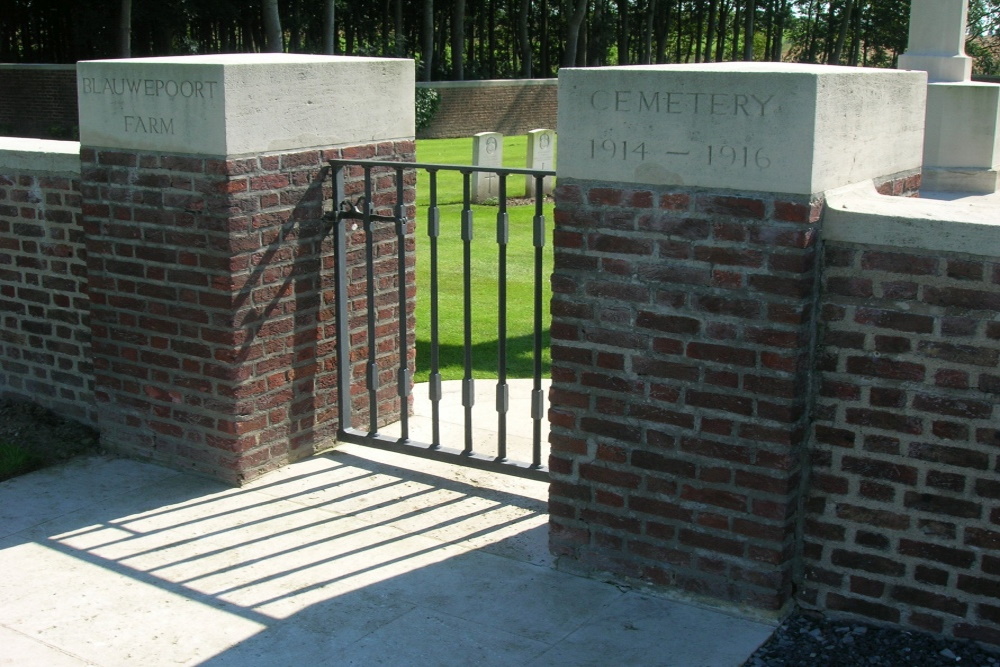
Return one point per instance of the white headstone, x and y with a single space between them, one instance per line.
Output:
769 127
487 151
541 155
241 104
937 40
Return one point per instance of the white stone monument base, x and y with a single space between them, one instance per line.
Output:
973 181
962 142
938 68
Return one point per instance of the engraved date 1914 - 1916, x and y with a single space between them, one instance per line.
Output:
713 155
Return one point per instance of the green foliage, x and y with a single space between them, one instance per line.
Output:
617 32
427 102
16 460
985 56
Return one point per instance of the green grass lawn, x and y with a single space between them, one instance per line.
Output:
484 271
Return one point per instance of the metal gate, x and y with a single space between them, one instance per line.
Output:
370 208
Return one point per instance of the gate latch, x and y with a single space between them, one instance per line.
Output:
349 211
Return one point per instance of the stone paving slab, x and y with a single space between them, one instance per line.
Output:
354 557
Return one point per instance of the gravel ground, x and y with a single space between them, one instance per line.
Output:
808 640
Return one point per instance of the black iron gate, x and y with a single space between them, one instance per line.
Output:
365 197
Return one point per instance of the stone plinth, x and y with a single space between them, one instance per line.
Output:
240 104
937 40
962 142
798 129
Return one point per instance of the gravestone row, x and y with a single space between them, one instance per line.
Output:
487 151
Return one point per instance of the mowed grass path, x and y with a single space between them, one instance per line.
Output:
484 271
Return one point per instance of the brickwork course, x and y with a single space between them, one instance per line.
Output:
44 307
510 108
902 518
680 350
212 305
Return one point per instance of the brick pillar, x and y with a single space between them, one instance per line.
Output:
683 313
210 283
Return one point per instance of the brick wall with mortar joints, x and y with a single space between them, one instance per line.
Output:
44 308
680 347
213 305
37 102
903 517
509 110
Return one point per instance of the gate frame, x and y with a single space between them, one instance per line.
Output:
343 211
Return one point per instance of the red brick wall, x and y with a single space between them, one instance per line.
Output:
680 354
212 306
903 514
44 316
507 107
38 101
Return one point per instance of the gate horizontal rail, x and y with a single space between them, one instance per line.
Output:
371 215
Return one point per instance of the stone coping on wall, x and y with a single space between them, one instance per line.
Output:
944 222
39 156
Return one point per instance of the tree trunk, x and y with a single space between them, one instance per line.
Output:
735 49
329 27
125 30
720 48
662 28
699 32
397 28
428 40
272 27
647 36
522 37
573 32
778 46
458 41
596 46
748 30
845 22
813 22
623 32
856 35
544 30
713 16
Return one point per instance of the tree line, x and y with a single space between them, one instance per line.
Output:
483 39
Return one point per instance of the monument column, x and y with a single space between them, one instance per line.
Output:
203 184
962 140
688 211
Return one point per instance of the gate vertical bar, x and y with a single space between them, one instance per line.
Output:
344 361
403 376
503 238
537 400
468 391
370 293
434 390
